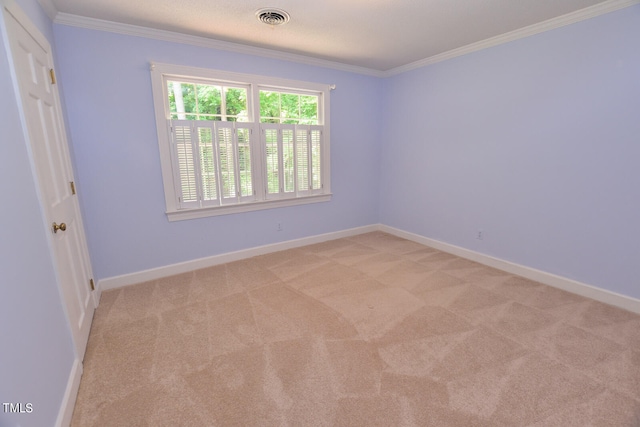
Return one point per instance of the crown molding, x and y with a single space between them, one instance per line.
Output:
551 24
170 36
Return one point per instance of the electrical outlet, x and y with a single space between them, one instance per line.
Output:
279 226
480 235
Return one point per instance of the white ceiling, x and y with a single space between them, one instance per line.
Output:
379 35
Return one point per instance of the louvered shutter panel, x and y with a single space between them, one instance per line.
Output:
302 159
226 154
288 159
208 168
244 168
279 146
316 158
184 163
270 134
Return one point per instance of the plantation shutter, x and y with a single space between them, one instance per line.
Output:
208 164
278 143
244 135
309 151
302 159
233 140
227 158
213 162
271 142
315 135
288 159
184 147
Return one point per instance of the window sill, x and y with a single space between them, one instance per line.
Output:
184 214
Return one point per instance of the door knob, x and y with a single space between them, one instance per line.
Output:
57 227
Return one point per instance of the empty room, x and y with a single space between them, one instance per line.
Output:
338 213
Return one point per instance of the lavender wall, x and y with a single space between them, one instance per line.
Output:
110 112
36 352
533 142
536 142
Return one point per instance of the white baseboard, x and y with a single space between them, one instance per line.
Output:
70 395
569 285
183 267
589 291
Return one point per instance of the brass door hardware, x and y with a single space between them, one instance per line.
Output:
57 227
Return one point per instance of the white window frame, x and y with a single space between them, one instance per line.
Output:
176 210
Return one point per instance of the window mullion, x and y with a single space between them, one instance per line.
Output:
223 103
258 148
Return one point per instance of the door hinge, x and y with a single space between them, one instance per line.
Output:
52 74
93 286
73 187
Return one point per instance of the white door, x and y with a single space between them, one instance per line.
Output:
32 63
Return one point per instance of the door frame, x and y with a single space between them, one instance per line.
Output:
12 8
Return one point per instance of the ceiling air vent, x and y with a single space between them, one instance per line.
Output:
272 16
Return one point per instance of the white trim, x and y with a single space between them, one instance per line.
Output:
70 394
96 294
170 36
174 70
573 286
540 27
183 267
179 215
23 19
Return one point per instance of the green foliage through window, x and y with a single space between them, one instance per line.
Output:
288 108
192 101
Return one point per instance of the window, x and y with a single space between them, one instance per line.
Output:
235 142
190 100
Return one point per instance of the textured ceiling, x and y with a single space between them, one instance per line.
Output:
375 34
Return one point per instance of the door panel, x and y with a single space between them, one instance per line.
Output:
32 62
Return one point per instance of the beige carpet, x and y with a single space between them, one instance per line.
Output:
371 330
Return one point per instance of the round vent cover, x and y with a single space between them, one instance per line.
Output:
272 16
